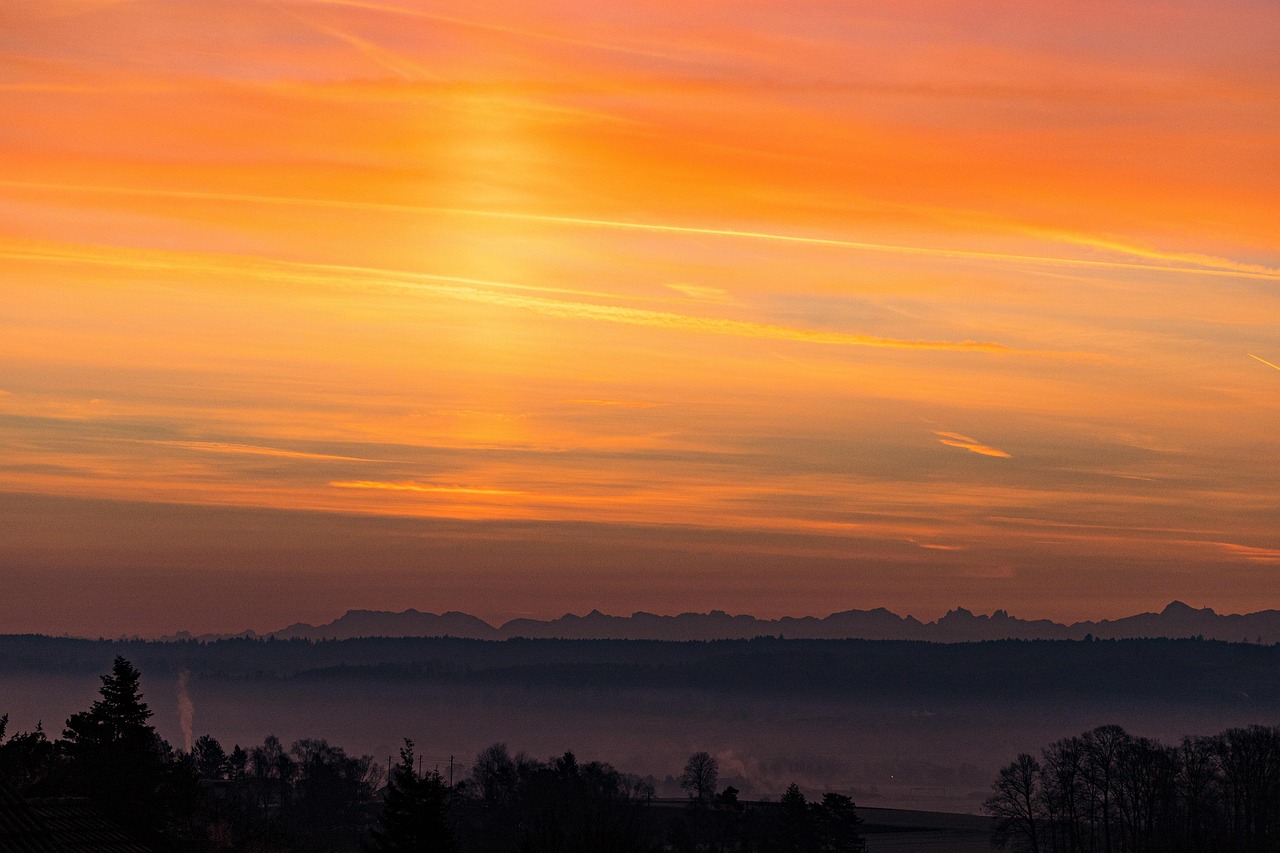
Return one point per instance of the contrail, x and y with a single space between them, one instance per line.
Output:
650 227
1263 360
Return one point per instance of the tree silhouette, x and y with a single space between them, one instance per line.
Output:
414 812
1104 749
211 758
495 775
1017 804
830 825
237 761
330 787
1107 791
701 773
795 822
28 760
119 716
272 773
115 756
837 825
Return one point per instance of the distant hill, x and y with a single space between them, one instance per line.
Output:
957 626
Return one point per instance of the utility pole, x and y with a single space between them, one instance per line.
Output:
450 771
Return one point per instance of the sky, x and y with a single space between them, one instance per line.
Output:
523 309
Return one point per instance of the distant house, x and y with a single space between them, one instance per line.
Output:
58 825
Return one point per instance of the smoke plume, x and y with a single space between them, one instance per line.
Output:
186 710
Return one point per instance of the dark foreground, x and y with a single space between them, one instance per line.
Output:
907 831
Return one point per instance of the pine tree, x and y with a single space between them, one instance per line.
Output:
119 716
795 822
414 812
114 754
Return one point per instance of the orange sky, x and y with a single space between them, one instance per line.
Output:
526 308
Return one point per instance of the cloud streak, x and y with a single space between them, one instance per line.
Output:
499 294
428 488
1251 553
389 9
963 442
1201 266
617 404
250 450
402 67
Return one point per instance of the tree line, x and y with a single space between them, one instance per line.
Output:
313 796
1107 791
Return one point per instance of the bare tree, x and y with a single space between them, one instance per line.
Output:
701 773
1065 795
495 775
1017 804
1250 762
1104 751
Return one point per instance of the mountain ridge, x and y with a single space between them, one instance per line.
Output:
959 625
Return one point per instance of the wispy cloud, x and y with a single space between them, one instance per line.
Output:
250 450
501 294
389 60
935 546
888 248
955 439
1251 553
496 28
617 404
1228 269
703 293
430 488
1209 262
715 325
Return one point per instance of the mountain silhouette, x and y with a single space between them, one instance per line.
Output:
381 623
957 626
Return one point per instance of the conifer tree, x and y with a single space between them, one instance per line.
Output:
115 756
414 812
119 716
838 825
795 822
